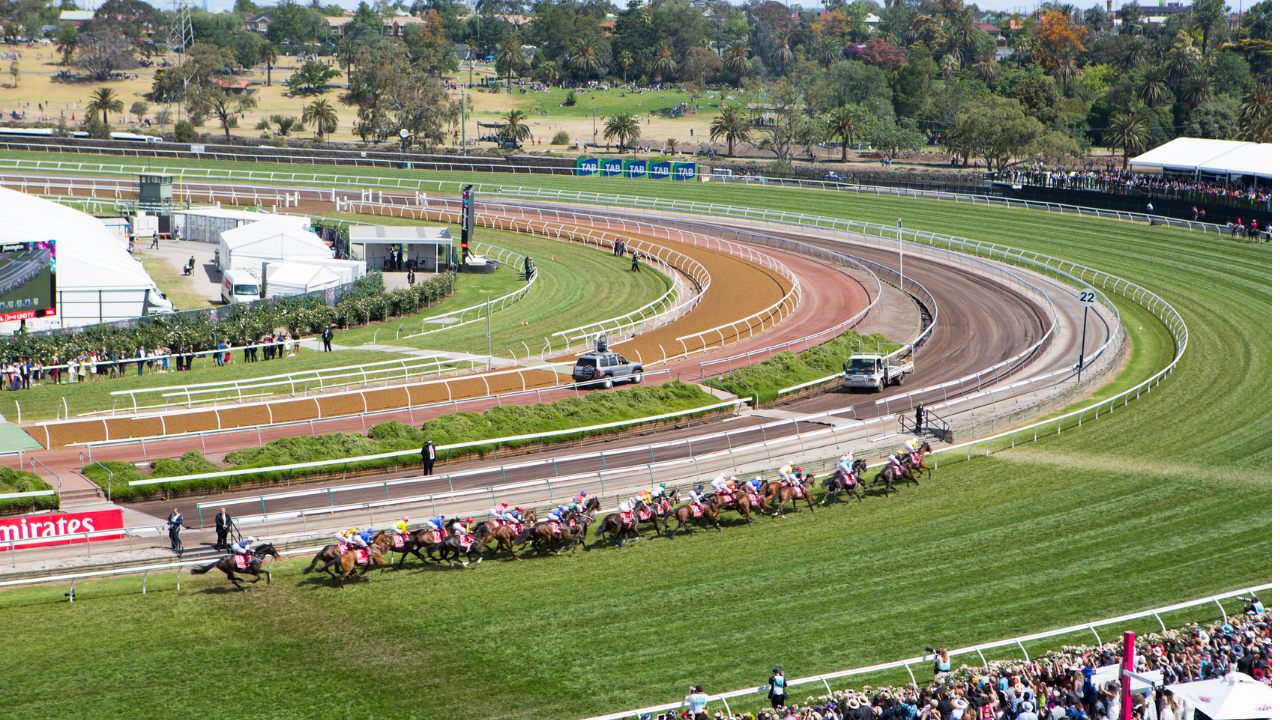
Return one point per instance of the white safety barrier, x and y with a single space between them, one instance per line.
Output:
906 664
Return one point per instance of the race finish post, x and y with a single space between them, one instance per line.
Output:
1086 298
468 217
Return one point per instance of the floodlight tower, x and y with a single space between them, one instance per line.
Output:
181 38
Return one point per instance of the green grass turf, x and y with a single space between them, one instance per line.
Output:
582 285
1165 500
46 401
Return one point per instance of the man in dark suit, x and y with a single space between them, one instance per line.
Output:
222 524
428 457
327 336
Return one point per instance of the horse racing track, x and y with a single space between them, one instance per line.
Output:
1167 499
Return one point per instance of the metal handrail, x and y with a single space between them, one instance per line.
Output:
110 475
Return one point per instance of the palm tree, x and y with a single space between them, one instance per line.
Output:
1129 133
509 56
584 58
842 125
732 126
988 69
672 143
625 61
514 130
829 51
1153 91
267 56
1194 90
1182 63
1134 55
623 128
738 64
321 114
949 65
66 44
1256 104
782 54
104 100
1065 71
663 64
348 51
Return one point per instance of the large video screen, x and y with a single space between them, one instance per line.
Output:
28 280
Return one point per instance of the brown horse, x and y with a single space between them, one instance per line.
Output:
886 477
684 514
374 553
572 531
619 528
654 513
227 564
741 501
769 489
503 534
792 493
916 462
329 555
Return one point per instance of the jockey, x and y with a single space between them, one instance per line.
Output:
641 498
242 547
556 514
353 537
784 474
435 523
403 526
732 484
796 479
497 511
753 485
459 527
845 466
366 536
658 493
626 506
720 486
512 517
895 462
695 496
909 448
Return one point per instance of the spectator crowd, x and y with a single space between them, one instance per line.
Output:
1058 686
23 373
1238 193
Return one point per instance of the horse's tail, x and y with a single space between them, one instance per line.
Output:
205 568
524 535
314 560
600 530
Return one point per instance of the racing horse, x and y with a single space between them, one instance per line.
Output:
456 546
654 513
771 488
741 501
916 461
227 564
505 536
423 539
886 476
572 531
329 555
792 493
614 524
351 558
685 513
839 482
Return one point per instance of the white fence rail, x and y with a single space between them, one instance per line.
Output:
906 664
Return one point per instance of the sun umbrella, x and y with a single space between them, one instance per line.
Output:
1235 696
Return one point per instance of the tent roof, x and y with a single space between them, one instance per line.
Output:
276 238
1217 156
399 234
243 215
301 274
1235 696
90 256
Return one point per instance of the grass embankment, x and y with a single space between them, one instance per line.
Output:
762 381
580 285
1163 501
44 402
175 287
595 408
20 481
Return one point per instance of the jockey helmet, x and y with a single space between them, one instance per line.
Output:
504 504
405 518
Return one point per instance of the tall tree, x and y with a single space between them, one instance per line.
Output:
625 60
321 114
663 66
1207 16
514 128
585 58
622 128
104 100
1129 133
216 102
1153 90
738 64
102 52
267 56
844 124
509 58
731 125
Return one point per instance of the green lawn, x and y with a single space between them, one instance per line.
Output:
46 401
174 286
580 286
1166 500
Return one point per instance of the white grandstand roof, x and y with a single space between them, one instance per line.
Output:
90 257
274 238
1221 157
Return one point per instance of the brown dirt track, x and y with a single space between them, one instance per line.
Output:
738 289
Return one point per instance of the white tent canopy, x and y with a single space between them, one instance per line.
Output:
297 278
1235 696
248 246
1200 155
98 281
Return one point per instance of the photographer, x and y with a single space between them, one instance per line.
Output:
941 663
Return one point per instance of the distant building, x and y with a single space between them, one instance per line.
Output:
75 17
259 23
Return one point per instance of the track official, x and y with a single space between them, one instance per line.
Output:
222 524
428 457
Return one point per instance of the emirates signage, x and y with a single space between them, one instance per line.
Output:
30 530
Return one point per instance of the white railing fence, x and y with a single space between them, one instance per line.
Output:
906 664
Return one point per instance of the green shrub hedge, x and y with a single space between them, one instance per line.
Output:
19 481
787 369
122 473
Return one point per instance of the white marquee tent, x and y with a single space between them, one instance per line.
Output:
297 278
98 281
267 240
1235 696
1211 157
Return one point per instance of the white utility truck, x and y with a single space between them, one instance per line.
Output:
875 371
